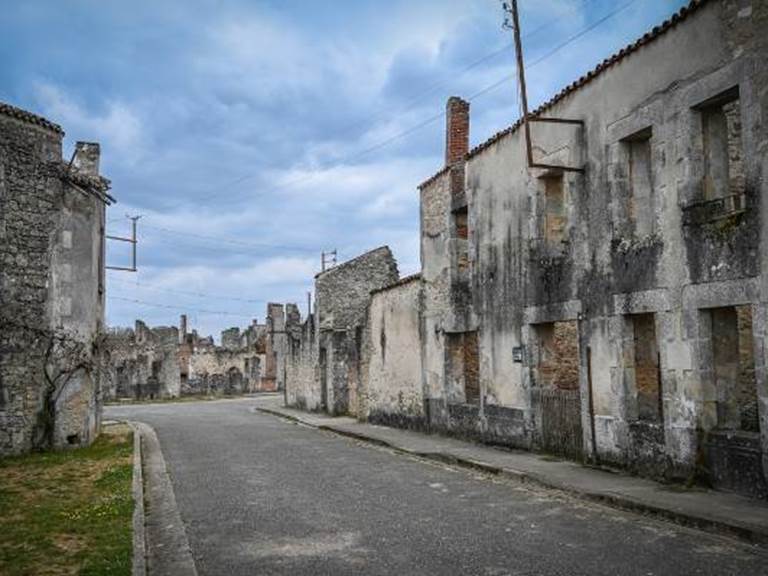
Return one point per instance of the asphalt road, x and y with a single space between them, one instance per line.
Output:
259 495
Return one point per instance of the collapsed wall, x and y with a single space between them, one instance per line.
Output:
167 362
142 363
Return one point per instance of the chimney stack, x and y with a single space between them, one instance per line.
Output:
456 130
87 156
183 328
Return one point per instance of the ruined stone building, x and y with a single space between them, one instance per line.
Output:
52 215
167 362
324 356
610 306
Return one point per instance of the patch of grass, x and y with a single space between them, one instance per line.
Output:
69 512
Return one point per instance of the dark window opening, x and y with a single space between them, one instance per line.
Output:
722 147
640 209
464 365
461 223
734 368
645 365
558 355
555 214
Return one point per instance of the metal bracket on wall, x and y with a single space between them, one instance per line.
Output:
133 241
511 10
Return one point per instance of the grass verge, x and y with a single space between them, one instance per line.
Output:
69 512
174 400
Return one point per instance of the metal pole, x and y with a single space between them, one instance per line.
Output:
521 77
133 236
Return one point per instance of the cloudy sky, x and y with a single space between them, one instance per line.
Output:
252 135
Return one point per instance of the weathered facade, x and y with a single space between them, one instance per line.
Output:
618 312
52 217
167 362
612 305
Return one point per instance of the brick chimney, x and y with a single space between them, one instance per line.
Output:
456 130
87 157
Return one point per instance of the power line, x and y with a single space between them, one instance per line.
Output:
481 92
409 105
231 241
417 127
187 293
444 82
183 308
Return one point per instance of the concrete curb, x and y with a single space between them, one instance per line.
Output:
746 532
139 567
168 552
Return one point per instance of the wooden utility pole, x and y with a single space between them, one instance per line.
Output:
521 79
510 10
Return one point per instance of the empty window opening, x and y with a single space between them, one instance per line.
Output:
460 220
641 197
558 355
461 232
734 368
646 368
464 365
722 146
555 220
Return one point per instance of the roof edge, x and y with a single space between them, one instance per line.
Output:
29 118
355 259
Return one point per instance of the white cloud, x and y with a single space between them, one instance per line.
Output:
118 128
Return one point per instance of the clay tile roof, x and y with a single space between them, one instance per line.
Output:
24 116
649 36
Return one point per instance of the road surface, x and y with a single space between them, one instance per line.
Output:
260 495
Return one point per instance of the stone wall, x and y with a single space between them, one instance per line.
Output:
342 297
51 286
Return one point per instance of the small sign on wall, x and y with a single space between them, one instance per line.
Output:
517 354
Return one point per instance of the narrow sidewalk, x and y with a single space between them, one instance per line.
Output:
704 509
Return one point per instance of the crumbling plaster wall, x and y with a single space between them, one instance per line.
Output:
392 392
302 385
601 272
